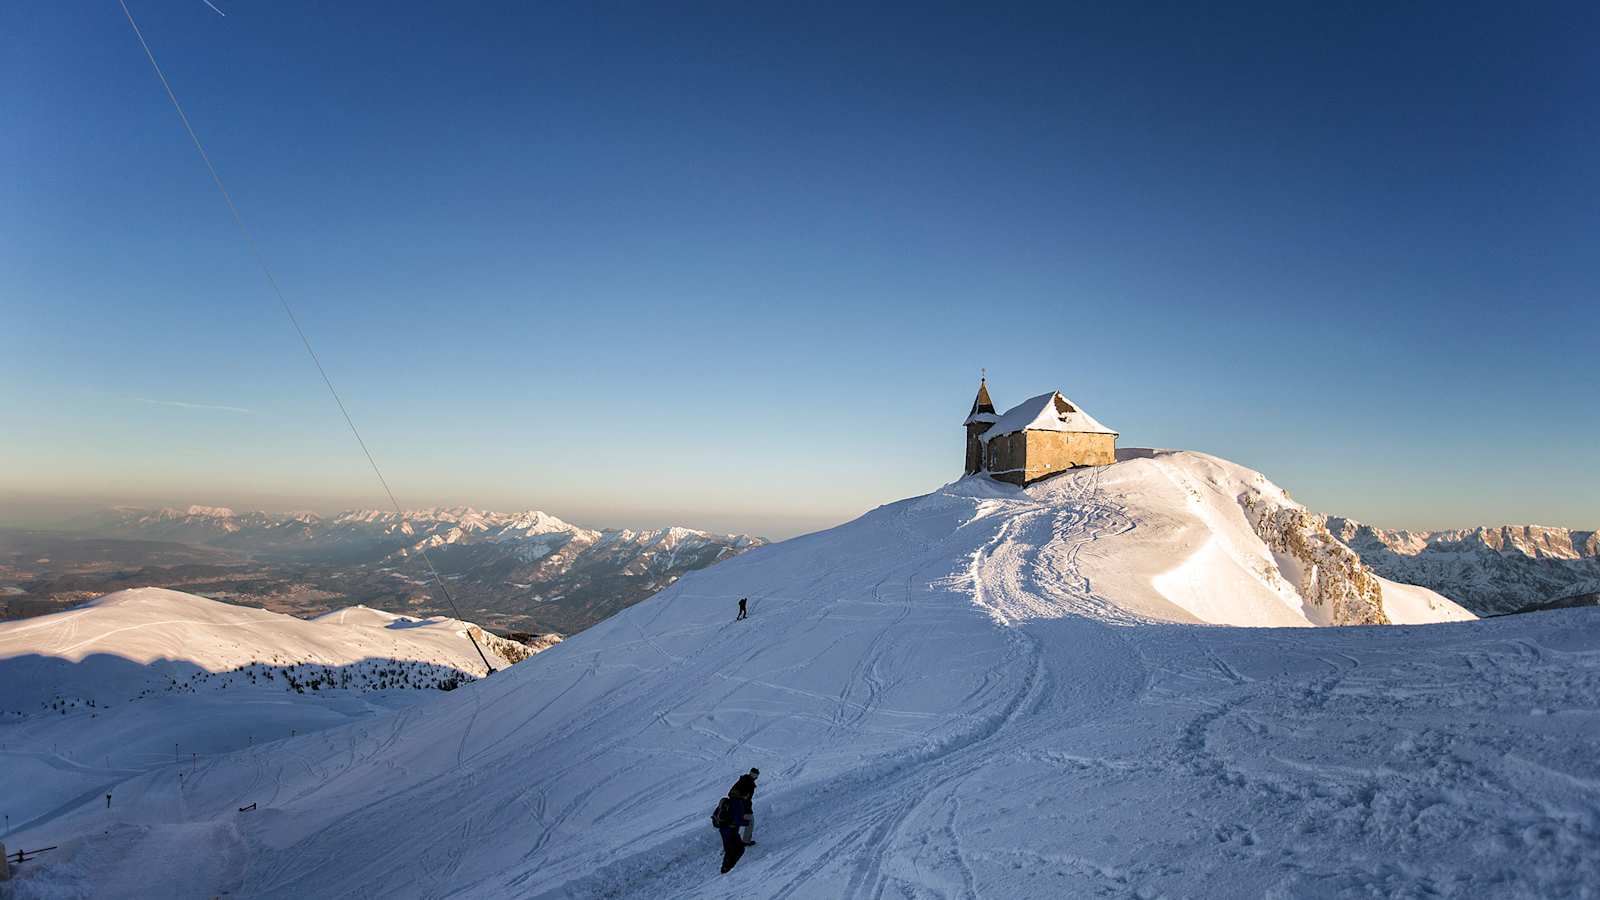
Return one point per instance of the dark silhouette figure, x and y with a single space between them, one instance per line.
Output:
736 814
743 613
745 787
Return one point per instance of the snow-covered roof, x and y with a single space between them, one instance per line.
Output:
1046 412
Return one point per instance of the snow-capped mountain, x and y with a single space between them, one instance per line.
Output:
383 532
1488 570
983 691
141 678
529 569
147 641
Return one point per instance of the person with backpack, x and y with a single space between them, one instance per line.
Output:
743 613
746 787
731 813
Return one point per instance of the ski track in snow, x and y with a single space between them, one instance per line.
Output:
944 704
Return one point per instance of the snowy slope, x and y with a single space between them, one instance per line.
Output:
1184 537
138 678
965 694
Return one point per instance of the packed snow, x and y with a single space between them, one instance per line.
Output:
981 692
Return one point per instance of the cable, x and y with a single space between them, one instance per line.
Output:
261 260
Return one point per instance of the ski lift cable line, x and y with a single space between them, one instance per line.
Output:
261 260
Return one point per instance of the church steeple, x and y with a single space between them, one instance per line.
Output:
979 420
982 403
982 407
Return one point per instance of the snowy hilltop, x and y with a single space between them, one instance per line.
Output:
984 691
149 640
1175 537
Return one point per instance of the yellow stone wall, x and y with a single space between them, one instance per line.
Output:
1049 452
1027 456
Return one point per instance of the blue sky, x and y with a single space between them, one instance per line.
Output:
737 265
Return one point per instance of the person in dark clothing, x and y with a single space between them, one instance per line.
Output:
743 614
746 787
738 814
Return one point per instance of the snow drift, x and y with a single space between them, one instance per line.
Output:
964 694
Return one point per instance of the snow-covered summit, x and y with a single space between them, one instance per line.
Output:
1176 536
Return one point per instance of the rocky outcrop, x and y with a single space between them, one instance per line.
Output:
1327 574
514 650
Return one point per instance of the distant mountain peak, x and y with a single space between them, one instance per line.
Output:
529 569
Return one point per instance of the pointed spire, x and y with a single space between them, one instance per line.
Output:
982 406
982 403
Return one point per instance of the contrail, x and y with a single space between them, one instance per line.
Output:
214 9
185 405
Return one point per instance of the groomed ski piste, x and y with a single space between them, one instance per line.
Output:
986 691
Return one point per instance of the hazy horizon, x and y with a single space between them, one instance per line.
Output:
739 269
55 513
21 509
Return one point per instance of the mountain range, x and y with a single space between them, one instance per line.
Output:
1490 570
529 570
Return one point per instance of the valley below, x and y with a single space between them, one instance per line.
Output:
526 573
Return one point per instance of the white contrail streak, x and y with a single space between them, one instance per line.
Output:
181 404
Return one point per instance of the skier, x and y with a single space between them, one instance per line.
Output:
743 614
731 813
745 788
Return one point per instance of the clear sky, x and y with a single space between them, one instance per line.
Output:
737 266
